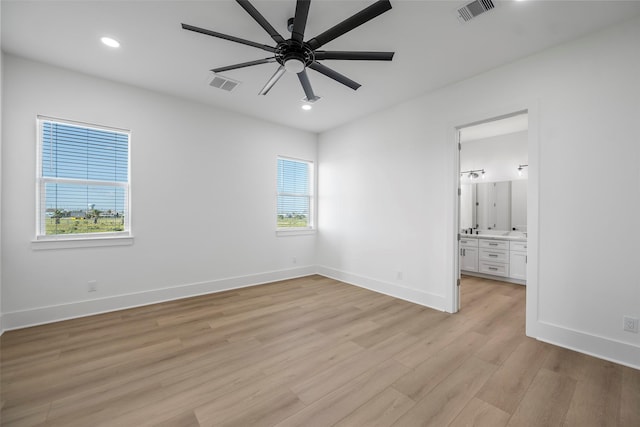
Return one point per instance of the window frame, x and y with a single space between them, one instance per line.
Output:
311 220
58 241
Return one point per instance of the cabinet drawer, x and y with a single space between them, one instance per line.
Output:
518 246
494 244
496 269
468 243
494 255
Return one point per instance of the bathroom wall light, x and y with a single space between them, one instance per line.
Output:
520 168
473 174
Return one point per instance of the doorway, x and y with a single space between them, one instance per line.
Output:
492 181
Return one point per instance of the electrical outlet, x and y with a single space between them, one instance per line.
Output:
630 324
399 275
92 285
294 260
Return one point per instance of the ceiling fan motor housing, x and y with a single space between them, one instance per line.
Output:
294 57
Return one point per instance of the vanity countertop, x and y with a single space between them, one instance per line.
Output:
511 238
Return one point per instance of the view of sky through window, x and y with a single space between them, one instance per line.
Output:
83 179
294 193
93 158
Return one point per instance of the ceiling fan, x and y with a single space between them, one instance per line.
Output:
295 55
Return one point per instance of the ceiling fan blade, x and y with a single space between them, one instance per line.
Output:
251 10
349 24
353 56
334 75
244 64
228 37
306 85
300 20
273 80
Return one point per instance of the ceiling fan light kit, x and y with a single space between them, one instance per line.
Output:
294 55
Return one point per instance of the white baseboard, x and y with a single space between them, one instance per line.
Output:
436 302
600 347
56 313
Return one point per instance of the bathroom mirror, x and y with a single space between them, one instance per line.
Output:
494 205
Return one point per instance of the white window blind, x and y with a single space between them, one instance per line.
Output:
83 180
295 196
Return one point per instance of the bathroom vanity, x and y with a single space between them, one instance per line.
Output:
496 213
495 257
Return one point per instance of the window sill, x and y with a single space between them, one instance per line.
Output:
81 242
284 232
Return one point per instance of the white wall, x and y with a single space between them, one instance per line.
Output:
216 170
1 102
499 156
387 191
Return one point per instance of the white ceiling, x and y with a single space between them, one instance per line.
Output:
433 49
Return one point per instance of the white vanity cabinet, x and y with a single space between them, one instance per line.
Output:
493 257
518 260
468 254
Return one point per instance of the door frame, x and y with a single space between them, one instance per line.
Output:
531 107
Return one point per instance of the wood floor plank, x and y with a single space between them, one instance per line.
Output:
444 402
183 370
351 330
373 302
510 313
312 388
437 337
183 367
630 397
308 351
20 365
487 309
314 362
39 389
509 384
340 403
425 320
380 411
167 401
264 407
546 401
427 375
185 419
103 412
24 415
399 322
479 413
503 340
595 400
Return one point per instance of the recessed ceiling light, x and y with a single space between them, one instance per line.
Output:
110 42
306 107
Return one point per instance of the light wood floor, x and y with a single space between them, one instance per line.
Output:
309 352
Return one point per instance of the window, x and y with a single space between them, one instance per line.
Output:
82 180
295 194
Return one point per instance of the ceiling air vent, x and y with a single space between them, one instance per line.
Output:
223 83
473 9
